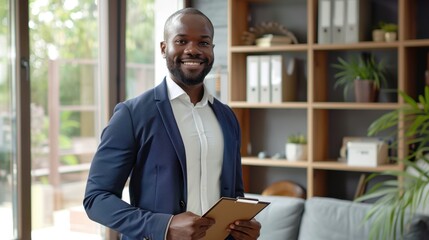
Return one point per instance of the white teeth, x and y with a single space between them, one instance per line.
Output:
191 63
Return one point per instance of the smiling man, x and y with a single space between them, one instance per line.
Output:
178 145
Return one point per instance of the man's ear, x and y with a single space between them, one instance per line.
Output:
162 46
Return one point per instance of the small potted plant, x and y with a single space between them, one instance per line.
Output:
390 31
296 147
365 75
378 34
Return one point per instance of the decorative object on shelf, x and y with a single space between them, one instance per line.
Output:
278 156
347 139
385 32
396 201
296 147
365 75
268 40
271 32
388 95
367 153
390 31
378 35
262 155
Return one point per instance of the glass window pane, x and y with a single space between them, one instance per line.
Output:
7 125
140 46
65 110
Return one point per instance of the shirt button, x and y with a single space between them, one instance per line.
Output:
182 204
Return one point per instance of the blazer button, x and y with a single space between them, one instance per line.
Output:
182 204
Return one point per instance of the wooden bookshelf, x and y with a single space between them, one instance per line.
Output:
319 104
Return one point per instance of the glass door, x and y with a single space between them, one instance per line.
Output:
65 115
8 190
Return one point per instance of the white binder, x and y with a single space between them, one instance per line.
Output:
277 75
357 20
252 76
339 21
264 78
324 26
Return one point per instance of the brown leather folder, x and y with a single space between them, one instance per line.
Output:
228 210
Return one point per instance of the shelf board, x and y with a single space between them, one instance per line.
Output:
268 162
317 105
342 166
279 48
417 43
244 104
356 106
360 45
336 46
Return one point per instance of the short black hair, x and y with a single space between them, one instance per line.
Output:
184 11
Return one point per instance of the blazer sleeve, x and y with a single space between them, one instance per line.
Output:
110 169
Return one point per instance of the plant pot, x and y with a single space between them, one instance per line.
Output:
365 91
390 36
378 35
388 95
296 152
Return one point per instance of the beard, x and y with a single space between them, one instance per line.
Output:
191 78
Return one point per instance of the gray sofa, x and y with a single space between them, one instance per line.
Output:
319 218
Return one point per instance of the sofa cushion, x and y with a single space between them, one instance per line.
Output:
281 219
334 219
419 228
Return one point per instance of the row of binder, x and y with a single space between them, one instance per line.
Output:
269 80
343 21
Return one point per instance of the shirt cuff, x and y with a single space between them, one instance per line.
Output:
168 226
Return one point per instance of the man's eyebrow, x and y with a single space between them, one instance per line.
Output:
185 35
206 36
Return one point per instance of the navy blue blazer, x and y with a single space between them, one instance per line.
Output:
142 142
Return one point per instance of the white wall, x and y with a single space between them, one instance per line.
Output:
163 9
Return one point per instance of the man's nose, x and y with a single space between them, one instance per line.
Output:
192 49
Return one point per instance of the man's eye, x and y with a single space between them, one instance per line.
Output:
206 44
181 42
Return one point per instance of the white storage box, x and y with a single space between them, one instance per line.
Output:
368 154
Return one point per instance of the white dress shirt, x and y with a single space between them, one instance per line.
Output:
203 140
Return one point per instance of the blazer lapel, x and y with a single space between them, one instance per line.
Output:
167 117
228 165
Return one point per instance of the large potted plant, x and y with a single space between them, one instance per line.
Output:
365 75
397 201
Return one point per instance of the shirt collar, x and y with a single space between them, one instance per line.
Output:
175 92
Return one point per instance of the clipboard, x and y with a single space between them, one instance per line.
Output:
227 210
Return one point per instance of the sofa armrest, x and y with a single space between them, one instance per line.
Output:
281 219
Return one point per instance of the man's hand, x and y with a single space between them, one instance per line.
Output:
245 230
187 226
